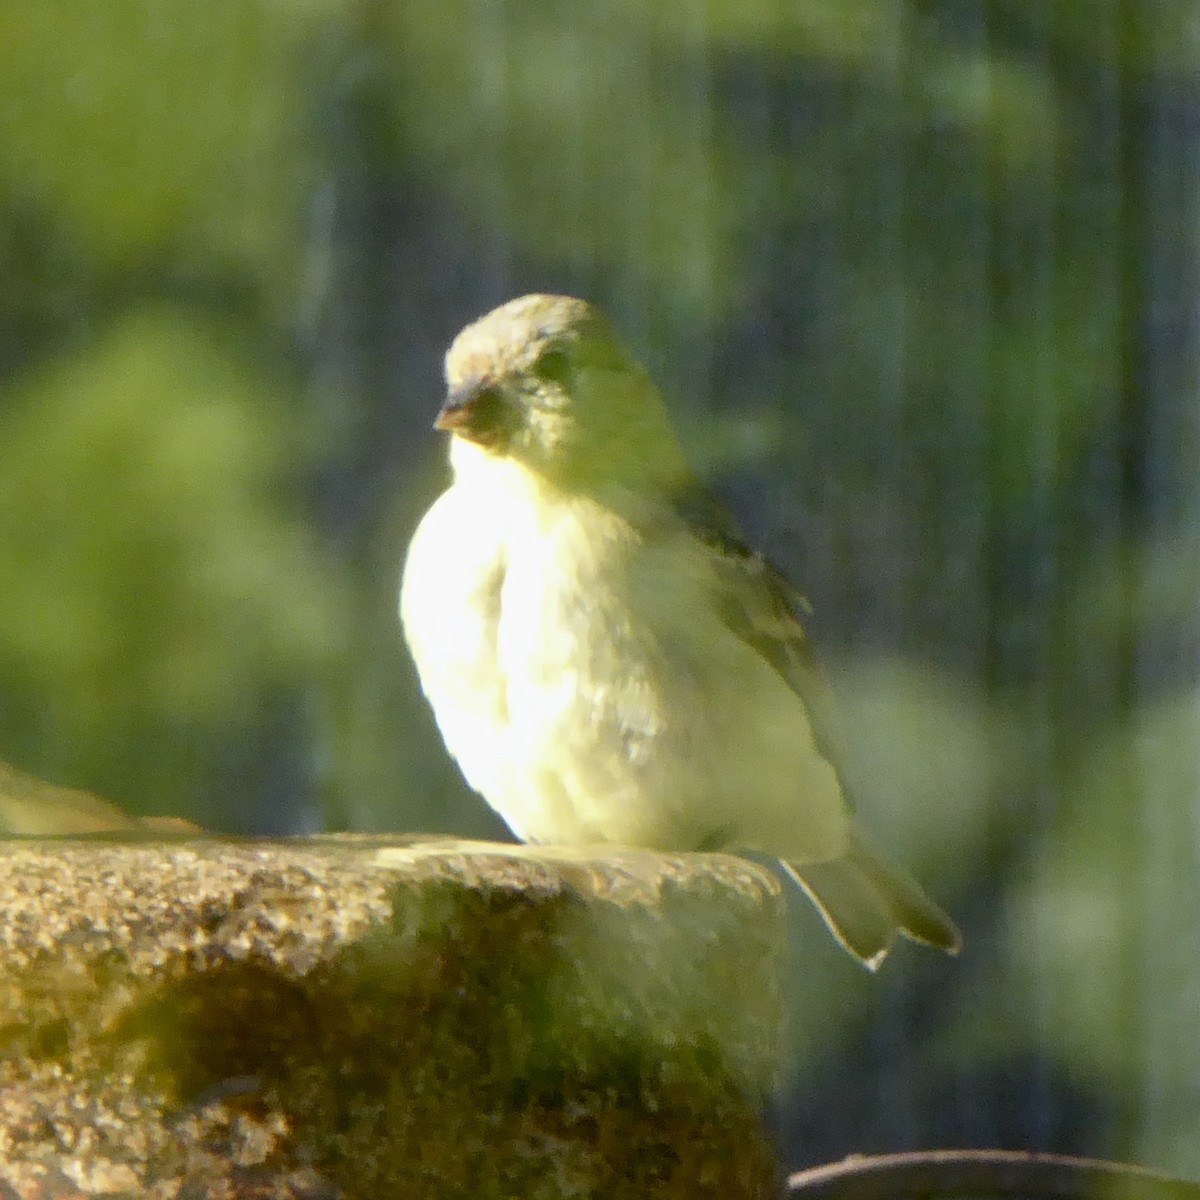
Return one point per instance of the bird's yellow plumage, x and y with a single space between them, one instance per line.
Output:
606 661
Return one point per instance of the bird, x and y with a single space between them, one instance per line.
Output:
606 659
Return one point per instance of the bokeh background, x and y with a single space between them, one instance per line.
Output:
920 279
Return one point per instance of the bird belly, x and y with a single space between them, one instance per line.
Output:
589 692
636 717
660 755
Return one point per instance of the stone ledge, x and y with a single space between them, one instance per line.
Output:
381 1017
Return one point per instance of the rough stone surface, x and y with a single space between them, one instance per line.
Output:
359 1018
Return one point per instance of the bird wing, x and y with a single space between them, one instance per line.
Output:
862 897
760 606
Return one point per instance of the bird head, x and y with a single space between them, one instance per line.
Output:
544 381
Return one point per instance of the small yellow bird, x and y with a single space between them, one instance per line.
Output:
606 660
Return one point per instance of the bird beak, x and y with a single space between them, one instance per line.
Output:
459 408
475 411
453 415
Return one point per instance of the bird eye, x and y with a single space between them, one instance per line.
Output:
553 365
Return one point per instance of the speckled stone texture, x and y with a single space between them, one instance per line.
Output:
359 1018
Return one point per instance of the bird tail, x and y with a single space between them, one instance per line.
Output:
865 901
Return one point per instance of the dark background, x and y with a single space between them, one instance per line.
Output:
920 282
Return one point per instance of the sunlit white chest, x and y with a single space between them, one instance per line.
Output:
535 622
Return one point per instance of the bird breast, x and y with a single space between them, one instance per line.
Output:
582 677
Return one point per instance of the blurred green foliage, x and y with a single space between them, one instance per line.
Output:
892 260
146 125
153 578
